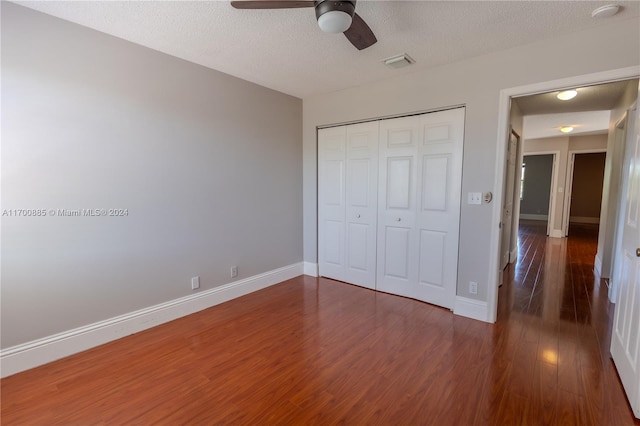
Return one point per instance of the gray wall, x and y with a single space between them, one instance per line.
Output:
560 146
208 166
475 83
537 184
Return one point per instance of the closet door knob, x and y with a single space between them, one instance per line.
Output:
638 252
358 216
398 219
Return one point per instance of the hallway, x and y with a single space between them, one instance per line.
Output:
558 326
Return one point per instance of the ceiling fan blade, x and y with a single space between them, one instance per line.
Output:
359 33
271 4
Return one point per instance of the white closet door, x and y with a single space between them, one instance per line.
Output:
439 194
331 202
361 201
397 243
419 206
347 203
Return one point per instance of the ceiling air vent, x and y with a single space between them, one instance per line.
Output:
399 61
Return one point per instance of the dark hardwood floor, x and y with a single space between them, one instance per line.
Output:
316 351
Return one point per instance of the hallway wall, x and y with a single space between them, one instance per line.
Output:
536 186
563 146
586 192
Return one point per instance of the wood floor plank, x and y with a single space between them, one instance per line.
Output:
572 409
569 372
315 351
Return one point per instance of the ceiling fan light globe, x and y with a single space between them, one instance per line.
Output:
334 21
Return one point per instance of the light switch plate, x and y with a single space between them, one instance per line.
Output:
474 198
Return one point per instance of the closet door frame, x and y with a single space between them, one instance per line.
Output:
424 222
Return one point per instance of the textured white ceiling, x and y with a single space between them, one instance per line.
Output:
286 51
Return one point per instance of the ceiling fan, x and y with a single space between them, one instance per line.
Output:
333 17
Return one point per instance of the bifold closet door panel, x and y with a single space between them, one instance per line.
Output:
331 202
397 241
347 202
438 216
419 205
361 203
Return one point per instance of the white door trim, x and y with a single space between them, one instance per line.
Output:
503 133
617 236
510 227
552 190
516 204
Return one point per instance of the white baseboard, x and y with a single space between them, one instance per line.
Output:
556 233
311 269
597 264
582 219
471 308
534 216
42 351
513 256
612 291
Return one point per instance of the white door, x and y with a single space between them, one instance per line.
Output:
625 340
419 205
347 203
507 205
361 204
397 239
331 202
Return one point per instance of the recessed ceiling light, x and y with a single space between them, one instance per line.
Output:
567 94
605 11
566 129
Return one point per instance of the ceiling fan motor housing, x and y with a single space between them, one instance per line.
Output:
334 16
325 6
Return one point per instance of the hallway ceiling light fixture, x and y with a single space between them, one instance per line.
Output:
566 129
565 95
605 11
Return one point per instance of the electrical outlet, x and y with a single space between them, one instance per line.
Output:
234 271
195 283
473 287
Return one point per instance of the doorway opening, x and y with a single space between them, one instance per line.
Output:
506 118
619 208
570 181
